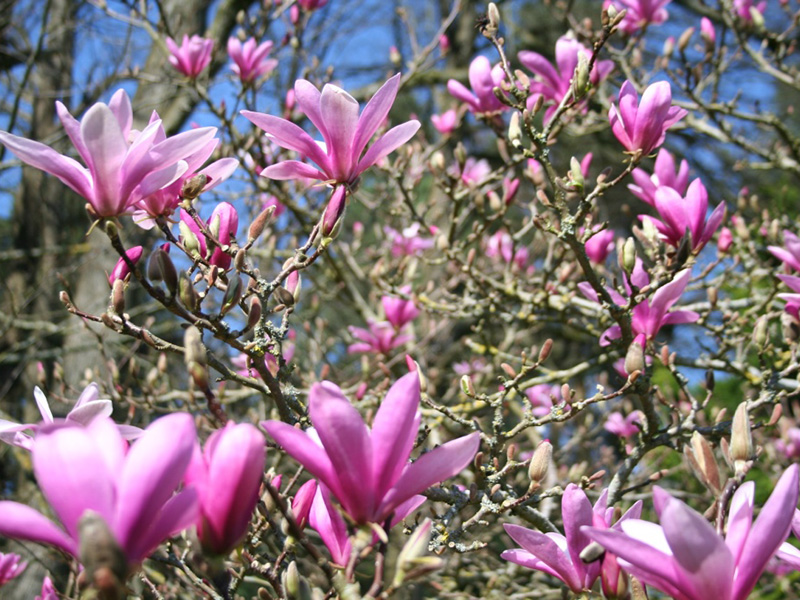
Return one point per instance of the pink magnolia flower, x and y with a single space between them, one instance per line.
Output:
640 13
790 253
367 470
474 171
792 300
250 60
227 477
664 175
642 126
408 242
501 245
559 555
302 502
121 270
192 56
742 8
554 82
600 245
49 591
789 444
650 315
483 78
224 221
543 398
688 214
119 172
624 427
725 240
687 559
380 338
334 113
446 122
164 202
399 312
87 408
707 31
82 469
11 566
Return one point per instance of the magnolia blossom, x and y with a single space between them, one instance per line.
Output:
543 397
680 216
707 31
250 60
483 78
11 566
49 591
407 242
651 314
88 407
624 427
600 245
789 444
687 559
312 4
164 202
642 126
381 338
743 8
555 82
559 555
501 245
192 56
122 166
446 122
792 300
367 470
640 13
224 223
227 477
90 470
121 269
334 113
399 312
790 253
664 175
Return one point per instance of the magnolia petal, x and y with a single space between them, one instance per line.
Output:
768 532
433 467
44 406
107 147
339 111
180 512
548 552
288 135
292 169
153 469
460 92
22 522
330 525
219 171
120 106
576 511
394 431
374 114
388 143
308 99
347 443
740 519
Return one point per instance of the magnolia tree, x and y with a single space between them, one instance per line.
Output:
352 352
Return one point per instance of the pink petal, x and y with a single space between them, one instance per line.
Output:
432 467
346 440
394 430
107 147
374 114
544 549
22 522
308 99
388 143
154 467
340 113
180 512
740 519
292 169
577 512
288 135
73 475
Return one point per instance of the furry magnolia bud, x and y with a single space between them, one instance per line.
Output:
540 462
103 560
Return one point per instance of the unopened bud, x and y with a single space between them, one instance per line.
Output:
741 449
514 130
540 462
187 294
118 297
493 21
194 351
629 255
466 386
544 353
686 37
580 80
190 242
193 186
259 223
255 310
761 332
575 172
701 457
334 210
757 18
233 293
104 562
634 358
161 268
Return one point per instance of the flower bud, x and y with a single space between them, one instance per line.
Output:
575 172
103 560
540 462
580 79
193 186
255 310
259 223
629 255
233 293
634 358
332 216
118 297
161 268
412 559
701 459
190 242
121 270
741 449
514 130
187 294
761 332
685 38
